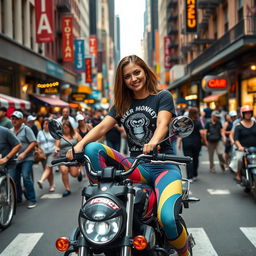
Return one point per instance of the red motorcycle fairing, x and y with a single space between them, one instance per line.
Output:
145 200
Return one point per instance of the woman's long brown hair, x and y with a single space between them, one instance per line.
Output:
68 124
193 113
122 94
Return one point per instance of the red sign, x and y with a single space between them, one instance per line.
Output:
217 83
67 39
93 45
167 52
214 83
88 70
44 21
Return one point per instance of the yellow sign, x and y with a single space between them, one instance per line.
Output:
48 85
191 16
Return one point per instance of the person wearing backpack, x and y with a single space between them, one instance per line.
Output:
214 138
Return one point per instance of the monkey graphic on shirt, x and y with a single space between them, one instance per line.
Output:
139 132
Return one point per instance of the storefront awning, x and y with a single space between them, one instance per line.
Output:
50 101
212 98
12 102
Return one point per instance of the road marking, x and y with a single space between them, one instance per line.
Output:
22 245
51 196
203 244
250 233
207 162
218 191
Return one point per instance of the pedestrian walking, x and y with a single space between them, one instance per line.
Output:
192 144
61 147
31 123
214 138
83 127
66 117
47 143
25 159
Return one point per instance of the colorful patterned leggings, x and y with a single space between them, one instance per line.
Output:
165 178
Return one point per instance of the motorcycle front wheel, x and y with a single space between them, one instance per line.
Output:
7 209
254 188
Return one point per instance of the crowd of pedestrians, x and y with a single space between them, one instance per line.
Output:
22 132
28 131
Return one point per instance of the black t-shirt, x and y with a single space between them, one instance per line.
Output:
194 137
246 136
113 134
139 121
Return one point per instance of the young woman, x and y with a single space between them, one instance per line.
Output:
62 147
145 112
46 142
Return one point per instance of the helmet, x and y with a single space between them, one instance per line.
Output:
246 108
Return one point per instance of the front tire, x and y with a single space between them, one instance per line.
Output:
7 209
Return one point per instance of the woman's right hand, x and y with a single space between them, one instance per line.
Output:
77 148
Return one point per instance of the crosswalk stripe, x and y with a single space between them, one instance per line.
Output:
51 196
218 191
22 245
250 233
203 244
208 162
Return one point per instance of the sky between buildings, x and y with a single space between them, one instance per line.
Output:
131 13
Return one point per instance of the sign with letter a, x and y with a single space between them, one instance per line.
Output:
44 21
67 39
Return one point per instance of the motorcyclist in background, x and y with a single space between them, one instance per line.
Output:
245 134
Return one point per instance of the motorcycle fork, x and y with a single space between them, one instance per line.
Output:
83 250
126 250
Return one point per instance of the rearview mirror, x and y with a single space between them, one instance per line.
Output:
55 129
182 126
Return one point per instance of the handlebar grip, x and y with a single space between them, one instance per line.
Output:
181 159
59 160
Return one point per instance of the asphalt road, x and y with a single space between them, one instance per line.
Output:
223 223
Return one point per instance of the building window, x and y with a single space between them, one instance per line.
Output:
215 27
240 10
226 18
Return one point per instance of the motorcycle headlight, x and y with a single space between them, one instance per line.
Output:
101 232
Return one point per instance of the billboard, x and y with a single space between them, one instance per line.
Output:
44 21
93 46
79 56
67 39
191 16
88 70
167 52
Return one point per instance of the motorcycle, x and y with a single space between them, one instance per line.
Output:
248 171
117 217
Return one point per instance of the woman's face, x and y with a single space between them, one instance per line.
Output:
135 79
66 130
46 125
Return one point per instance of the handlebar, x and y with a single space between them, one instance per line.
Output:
154 158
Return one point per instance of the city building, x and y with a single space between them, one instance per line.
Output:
25 63
215 60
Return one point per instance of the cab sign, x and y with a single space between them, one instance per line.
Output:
213 83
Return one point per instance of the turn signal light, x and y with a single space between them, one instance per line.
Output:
140 243
62 244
